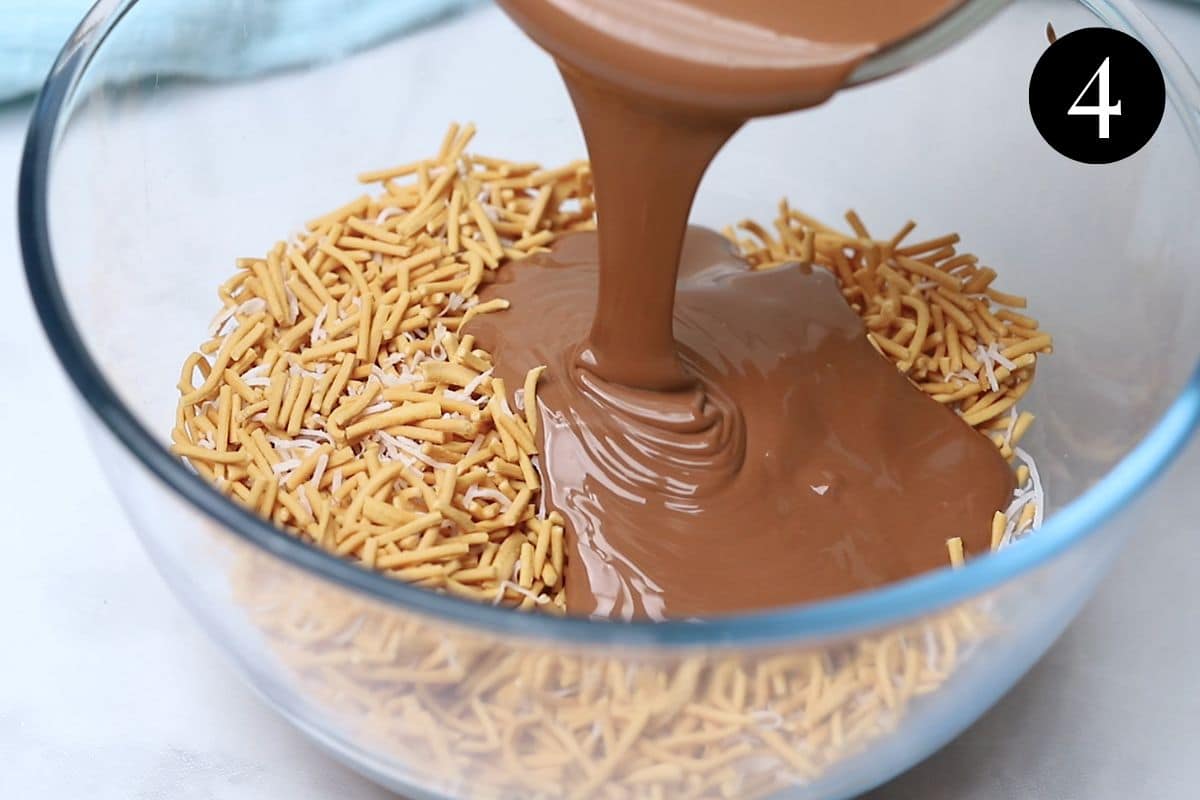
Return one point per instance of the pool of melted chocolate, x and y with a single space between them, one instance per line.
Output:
800 465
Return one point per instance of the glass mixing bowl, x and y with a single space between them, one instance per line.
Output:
135 197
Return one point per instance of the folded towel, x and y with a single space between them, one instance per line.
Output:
209 39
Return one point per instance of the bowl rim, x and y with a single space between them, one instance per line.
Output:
843 615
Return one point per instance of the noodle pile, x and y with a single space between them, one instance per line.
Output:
337 398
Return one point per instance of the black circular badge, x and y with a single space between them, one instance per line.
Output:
1097 95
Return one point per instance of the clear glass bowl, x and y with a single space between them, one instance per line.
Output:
136 197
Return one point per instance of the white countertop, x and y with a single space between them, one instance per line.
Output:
109 691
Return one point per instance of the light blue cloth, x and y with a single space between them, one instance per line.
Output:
207 39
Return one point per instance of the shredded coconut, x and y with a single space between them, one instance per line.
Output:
252 306
287 465
376 408
318 333
1012 423
313 433
411 448
1035 482
302 497
319 470
994 351
467 391
985 358
1033 493
293 304
476 492
388 213
540 599
292 444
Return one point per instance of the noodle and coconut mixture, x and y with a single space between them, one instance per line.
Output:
339 396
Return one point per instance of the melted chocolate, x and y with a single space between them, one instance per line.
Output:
802 465
735 443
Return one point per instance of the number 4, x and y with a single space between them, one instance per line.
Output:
1103 109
